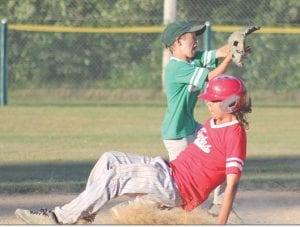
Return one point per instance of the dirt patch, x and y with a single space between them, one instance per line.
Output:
254 207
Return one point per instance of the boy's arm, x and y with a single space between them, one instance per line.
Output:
221 68
232 182
223 51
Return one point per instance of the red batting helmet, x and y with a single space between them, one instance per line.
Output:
228 90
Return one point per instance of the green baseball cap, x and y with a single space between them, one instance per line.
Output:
178 28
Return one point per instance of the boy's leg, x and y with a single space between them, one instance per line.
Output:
110 160
175 147
215 207
218 195
148 177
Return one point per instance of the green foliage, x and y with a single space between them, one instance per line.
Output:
271 65
275 59
104 60
93 59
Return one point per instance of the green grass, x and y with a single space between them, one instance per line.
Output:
52 147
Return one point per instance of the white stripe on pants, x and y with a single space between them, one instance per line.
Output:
117 174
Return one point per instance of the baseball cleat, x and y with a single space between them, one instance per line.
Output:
234 218
42 216
214 209
86 220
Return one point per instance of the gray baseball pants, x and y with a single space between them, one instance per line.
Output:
116 174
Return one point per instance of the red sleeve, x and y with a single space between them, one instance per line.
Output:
236 151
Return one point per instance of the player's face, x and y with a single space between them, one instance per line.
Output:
215 110
218 114
188 43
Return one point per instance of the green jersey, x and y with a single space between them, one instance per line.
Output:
183 82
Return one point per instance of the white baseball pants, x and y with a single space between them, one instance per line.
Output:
116 174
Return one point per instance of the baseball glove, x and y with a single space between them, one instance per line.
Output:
237 44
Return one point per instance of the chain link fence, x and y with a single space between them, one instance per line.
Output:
120 63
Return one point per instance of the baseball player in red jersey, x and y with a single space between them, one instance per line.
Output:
218 154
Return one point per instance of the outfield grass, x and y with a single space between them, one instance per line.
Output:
48 147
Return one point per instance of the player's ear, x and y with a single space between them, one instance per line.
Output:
178 41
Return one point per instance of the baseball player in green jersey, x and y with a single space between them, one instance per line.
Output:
185 75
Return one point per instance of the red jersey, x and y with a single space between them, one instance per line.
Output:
218 150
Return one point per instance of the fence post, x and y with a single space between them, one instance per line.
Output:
207 36
170 7
3 62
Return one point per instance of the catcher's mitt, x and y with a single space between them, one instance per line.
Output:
237 44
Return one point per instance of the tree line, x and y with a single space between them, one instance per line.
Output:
38 59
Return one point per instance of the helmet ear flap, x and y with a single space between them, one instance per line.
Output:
230 104
234 103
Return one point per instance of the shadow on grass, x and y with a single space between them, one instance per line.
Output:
282 173
259 173
45 177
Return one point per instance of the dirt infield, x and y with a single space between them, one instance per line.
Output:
254 207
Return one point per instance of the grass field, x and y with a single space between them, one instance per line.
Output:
51 148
